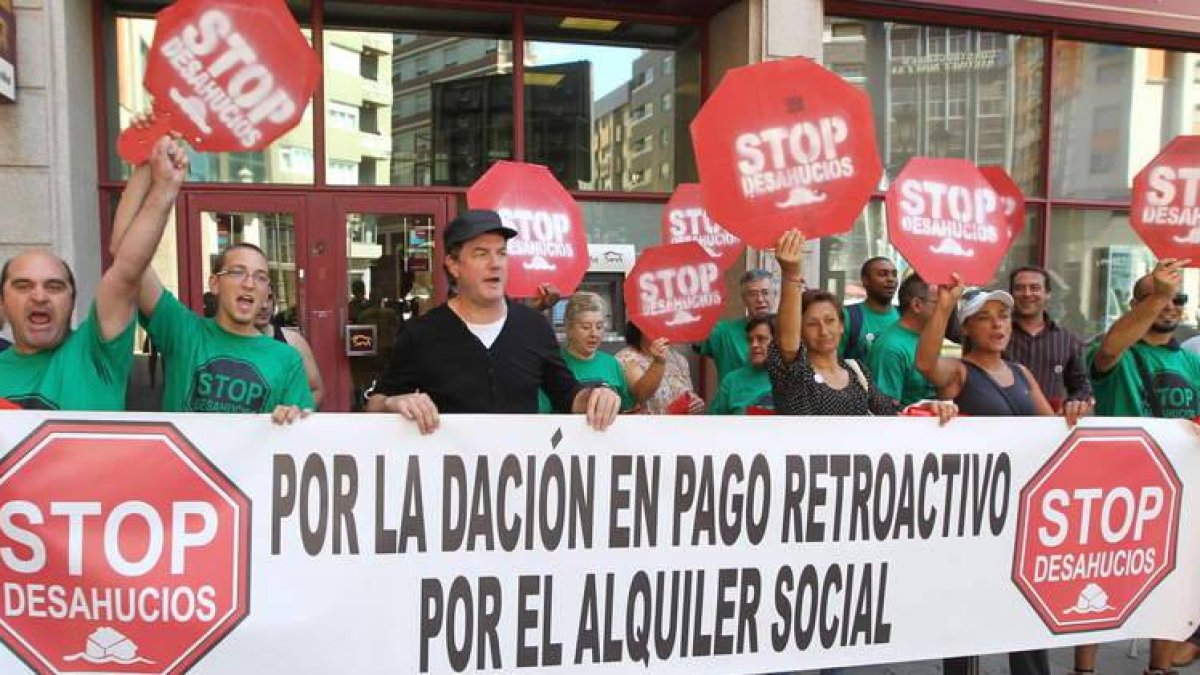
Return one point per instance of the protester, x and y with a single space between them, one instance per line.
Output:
866 321
807 375
726 344
1139 370
221 364
1052 353
584 321
893 357
658 376
52 367
290 336
479 352
749 387
4 344
982 383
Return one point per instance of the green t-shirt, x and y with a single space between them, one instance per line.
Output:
728 346
83 373
1174 374
747 386
209 369
873 325
893 364
603 367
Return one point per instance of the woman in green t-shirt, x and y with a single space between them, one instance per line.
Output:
584 321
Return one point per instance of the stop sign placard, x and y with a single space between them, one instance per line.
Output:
945 217
684 219
551 242
232 76
1166 201
1097 529
675 291
109 571
784 144
1012 200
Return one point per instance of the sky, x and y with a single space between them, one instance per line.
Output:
611 66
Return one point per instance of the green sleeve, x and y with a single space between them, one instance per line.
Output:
708 347
172 325
112 359
890 367
845 332
720 404
297 392
544 407
621 386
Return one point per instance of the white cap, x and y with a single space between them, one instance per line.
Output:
974 299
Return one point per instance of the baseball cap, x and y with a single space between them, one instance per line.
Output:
470 224
974 299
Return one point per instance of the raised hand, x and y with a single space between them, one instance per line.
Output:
789 252
658 350
948 295
1168 276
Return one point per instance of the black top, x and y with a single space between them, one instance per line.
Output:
1055 357
982 396
800 390
279 334
441 357
4 344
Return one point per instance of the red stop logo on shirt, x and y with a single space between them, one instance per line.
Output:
945 217
675 291
1166 201
684 219
110 572
1097 529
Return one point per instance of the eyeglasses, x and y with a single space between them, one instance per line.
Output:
239 274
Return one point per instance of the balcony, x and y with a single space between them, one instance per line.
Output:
376 92
380 43
375 145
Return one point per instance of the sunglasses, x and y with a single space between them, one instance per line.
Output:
1179 300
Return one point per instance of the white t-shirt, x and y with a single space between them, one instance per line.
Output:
1191 344
487 332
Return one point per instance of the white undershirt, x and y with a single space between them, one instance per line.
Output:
487 332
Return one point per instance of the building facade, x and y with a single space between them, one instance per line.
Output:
418 99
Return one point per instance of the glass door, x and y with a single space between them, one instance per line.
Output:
392 273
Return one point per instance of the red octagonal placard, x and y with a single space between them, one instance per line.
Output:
1166 201
1012 200
112 572
232 75
945 217
784 144
551 242
675 291
1097 529
684 219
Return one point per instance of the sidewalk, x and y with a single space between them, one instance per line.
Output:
1113 659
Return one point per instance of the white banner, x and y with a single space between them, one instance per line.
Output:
156 543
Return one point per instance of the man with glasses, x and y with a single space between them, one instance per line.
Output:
726 344
1139 370
222 364
893 356
1052 353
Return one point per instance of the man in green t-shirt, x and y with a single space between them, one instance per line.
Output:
726 344
748 386
222 364
1138 370
51 367
893 356
866 321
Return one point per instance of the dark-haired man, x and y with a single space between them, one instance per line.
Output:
865 321
893 356
222 364
480 352
52 367
1052 353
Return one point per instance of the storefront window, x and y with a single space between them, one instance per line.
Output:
281 162
1114 109
946 92
417 108
605 103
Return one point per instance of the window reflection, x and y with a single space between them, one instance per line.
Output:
946 92
1114 109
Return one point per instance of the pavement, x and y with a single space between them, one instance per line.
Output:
1127 657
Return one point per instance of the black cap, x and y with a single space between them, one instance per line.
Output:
471 224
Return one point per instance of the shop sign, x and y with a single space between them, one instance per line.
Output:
957 62
785 144
1176 16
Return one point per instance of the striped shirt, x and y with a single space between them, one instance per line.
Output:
1055 357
